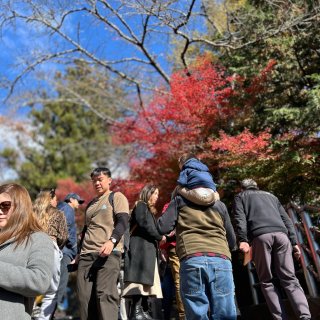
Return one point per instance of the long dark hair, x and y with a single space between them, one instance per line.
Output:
145 195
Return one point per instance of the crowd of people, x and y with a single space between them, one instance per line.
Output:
39 247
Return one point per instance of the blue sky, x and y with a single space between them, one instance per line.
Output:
18 42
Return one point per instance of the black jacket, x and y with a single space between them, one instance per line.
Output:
142 254
259 212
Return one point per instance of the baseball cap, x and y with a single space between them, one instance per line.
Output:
74 196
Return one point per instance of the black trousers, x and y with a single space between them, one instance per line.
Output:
97 286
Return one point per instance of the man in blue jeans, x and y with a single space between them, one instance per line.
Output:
204 239
68 207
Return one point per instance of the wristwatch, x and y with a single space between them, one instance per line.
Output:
113 240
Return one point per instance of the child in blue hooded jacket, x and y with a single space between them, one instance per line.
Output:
195 182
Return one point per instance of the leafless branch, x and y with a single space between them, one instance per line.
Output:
159 18
187 17
31 67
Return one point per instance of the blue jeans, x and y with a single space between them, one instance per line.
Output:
207 285
64 277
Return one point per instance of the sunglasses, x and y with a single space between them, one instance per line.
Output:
5 206
51 191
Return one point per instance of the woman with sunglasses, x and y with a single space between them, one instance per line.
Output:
54 224
26 254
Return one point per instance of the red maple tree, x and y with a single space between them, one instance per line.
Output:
83 189
197 114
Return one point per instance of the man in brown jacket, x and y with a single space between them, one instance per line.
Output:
204 239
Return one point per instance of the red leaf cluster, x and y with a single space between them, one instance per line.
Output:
243 143
241 146
184 116
84 189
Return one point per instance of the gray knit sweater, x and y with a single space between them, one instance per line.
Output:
25 272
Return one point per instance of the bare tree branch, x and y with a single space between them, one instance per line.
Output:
178 19
34 64
188 15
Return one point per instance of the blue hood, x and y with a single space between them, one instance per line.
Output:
195 174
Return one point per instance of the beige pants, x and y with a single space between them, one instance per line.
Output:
175 269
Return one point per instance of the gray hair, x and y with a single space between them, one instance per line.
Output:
248 183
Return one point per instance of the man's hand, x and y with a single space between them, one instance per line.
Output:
172 233
244 247
76 259
106 249
163 240
73 265
296 252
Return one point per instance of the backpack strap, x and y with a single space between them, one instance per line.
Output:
111 201
85 227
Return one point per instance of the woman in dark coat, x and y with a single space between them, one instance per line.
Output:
141 266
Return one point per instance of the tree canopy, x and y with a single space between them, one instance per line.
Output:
244 94
68 129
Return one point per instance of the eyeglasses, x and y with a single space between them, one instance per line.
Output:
5 206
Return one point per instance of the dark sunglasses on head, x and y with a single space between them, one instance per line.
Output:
5 206
52 193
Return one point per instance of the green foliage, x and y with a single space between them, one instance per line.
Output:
68 137
310 117
9 157
289 105
295 53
